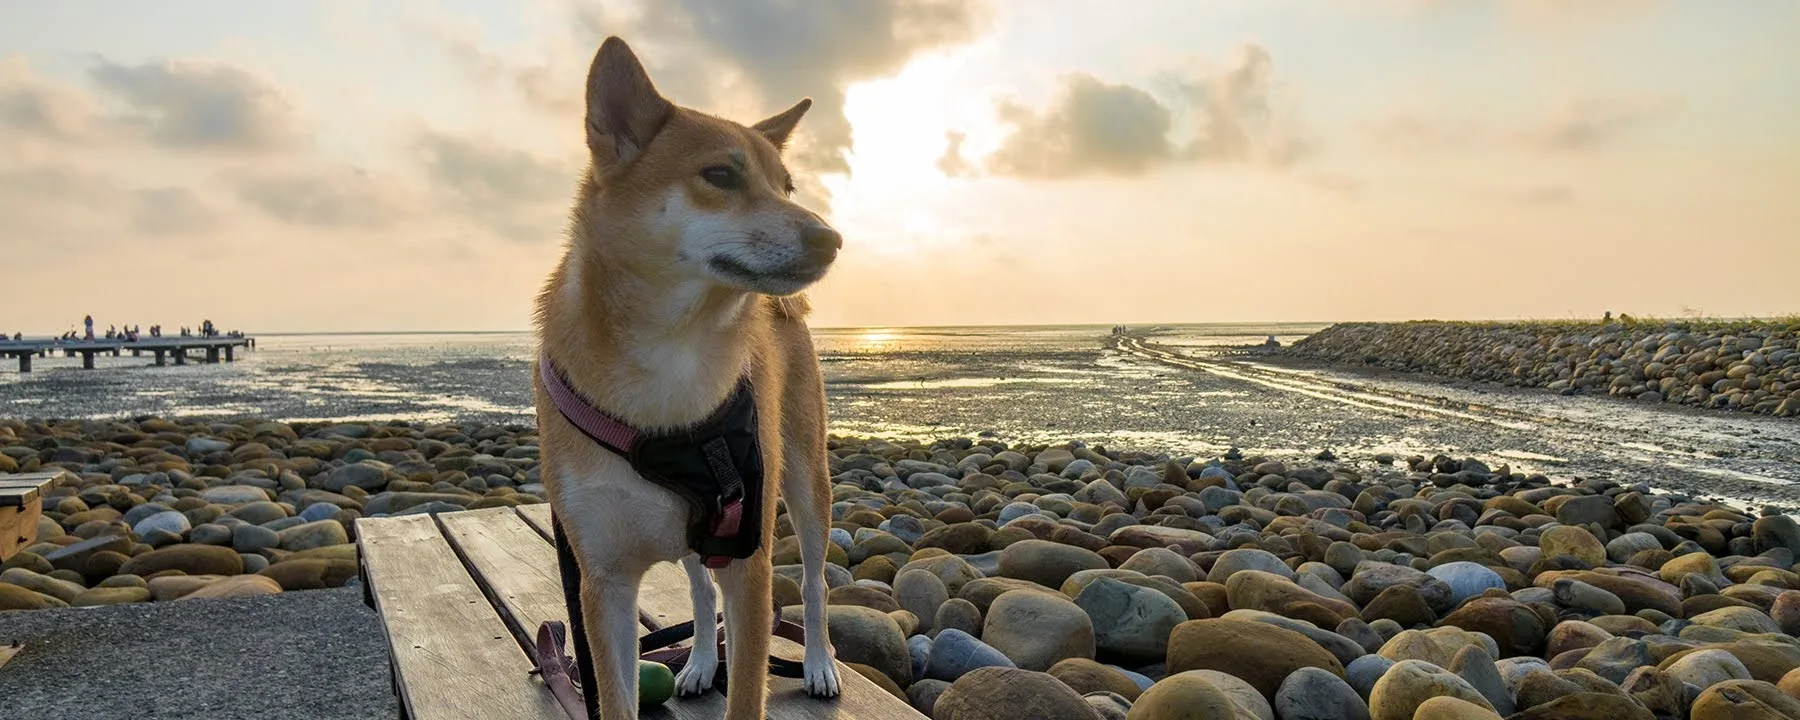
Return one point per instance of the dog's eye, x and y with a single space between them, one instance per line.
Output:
722 177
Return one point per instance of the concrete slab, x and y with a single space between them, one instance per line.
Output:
312 655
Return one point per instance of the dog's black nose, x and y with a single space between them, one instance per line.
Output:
821 241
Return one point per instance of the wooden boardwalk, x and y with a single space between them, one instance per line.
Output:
164 348
461 595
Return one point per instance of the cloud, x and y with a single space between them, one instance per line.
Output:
1237 120
788 50
1579 125
520 196
952 163
197 105
1544 195
42 109
1588 123
732 56
336 196
171 211
1091 128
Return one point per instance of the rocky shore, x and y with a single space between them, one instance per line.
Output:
981 580
1751 366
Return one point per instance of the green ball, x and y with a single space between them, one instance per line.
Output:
655 683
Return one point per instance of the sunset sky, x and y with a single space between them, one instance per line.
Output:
407 165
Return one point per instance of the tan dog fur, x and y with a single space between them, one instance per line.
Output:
668 286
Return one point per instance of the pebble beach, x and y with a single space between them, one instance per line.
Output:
978 579
1300 568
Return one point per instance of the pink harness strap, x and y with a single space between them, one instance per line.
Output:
616 436
621 439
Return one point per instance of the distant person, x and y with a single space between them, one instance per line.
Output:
1608 317
89 323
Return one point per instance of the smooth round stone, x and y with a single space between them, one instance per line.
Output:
923 694
265 511
1232 561
919 647
1087 676
1706 668
1362 673
1744 700
1573 542
1162 561
1000 693
210 534
1372 577
167 521
1409 683
1466 579
1129 620
1242 694
1316 694
1109 706
319 511
1260 653
1449 708
1014 511
1475 666
955 653
234 494
866 636
1621 548
1185 696
1038 629
1047 563
1572 593
922 594
841 538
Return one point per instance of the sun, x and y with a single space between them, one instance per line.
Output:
899 130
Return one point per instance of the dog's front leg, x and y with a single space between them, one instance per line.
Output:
807 489
749 617
703 662
609 610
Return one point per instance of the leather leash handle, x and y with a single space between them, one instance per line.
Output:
557 669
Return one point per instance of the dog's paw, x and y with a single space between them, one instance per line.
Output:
695 678
821 675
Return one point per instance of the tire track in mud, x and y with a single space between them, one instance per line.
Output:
1742 471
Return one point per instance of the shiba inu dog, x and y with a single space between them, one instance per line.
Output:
678 291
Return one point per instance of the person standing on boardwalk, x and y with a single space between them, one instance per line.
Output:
89 323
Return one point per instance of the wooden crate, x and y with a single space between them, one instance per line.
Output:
461 596
21 504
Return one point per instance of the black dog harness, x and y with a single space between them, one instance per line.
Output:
715 465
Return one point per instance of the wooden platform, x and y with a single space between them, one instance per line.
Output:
21 503
461 596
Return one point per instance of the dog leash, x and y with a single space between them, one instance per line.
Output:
567 676
560 671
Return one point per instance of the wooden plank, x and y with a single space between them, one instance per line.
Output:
453 655
512 563
8 651
663 600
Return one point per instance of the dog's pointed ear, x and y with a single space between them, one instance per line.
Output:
624 111
778 128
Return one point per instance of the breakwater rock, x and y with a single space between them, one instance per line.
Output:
978 579
1752 366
